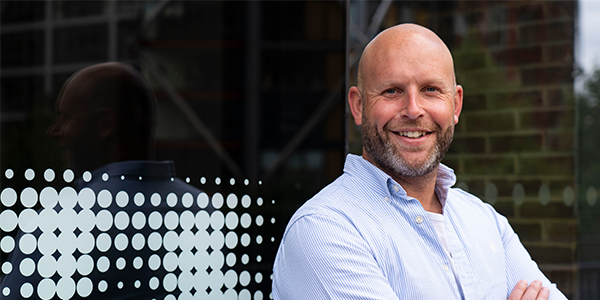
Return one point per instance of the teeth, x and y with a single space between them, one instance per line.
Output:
412 134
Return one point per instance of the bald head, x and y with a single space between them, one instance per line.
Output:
107 85
107 113
402 42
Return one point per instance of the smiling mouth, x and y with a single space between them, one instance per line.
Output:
412 134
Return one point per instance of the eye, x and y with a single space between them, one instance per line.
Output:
390 91
431 89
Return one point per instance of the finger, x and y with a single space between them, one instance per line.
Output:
544 294
533 290
518 291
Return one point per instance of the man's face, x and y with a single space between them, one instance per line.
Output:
410 106
74 128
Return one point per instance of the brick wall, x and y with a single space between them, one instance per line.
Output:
514 144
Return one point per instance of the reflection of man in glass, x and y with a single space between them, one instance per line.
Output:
391 227
106 114
130 215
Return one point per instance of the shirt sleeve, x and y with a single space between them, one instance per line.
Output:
519 264
321 257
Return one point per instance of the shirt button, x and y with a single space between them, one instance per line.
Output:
396 188
419 220
386 199
445 268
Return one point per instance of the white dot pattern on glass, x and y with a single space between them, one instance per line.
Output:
68 175
26 290
49 175
197 238
491 193
87 176
591 196
29 174
7 267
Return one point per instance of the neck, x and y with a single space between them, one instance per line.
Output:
423 189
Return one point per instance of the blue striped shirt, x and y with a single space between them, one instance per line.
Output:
362 237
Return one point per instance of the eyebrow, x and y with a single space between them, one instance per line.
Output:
426 82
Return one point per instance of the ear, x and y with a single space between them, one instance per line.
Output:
458 102
108 123
356 104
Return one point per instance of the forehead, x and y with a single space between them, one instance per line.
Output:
408 57
72 99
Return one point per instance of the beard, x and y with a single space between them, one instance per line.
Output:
388 157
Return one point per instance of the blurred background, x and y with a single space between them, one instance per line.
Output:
252 100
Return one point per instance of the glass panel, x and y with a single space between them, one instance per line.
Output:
171 174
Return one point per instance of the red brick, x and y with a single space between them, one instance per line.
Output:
554 31
505 187
451 162
561 9
561 232
561 97
564 280
506 209
467 145
531 187
485 79
497 38
476 186
490 122
546 165
560 53
473 101
547 75
551 255
489 166
548 120
528 13
557 187
548 211
560 141
528 232
529 143
518 56
469 61
516 99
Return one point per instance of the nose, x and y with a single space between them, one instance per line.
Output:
54 130
412 106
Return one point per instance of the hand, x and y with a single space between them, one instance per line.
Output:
535 291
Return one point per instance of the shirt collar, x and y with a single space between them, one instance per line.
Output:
383 183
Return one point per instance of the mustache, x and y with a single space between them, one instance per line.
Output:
418 123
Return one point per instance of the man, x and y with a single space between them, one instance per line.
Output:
106 114
390 227
105 125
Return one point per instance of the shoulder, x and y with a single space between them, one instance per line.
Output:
337 202
469 203
470 206
460 197
328 202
